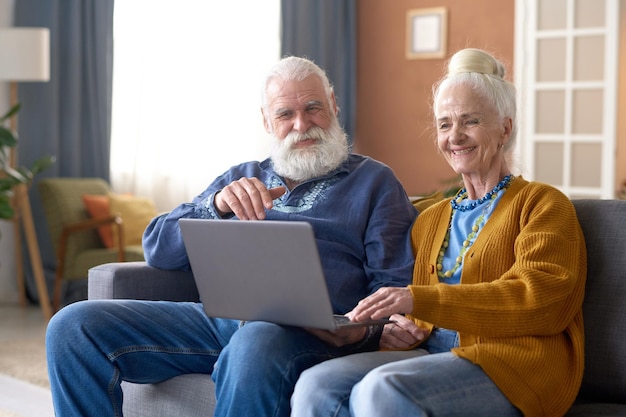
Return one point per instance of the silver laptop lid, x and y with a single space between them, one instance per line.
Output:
258 270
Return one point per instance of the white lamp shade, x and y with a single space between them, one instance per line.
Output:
24 54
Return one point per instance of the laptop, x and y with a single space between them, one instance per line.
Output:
261 270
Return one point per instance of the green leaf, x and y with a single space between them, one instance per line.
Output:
7 184
42 164
12 112
17 174
6 211
10 176
4 157
7 138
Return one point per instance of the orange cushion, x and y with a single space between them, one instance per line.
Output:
99 206
136 213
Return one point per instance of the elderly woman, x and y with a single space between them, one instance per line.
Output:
492 323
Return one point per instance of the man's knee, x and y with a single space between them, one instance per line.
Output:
251 347
66 321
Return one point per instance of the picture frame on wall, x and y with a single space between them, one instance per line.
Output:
426 33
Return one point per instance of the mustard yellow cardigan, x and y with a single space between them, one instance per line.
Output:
518 309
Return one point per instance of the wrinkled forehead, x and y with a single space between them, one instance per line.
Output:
460 98
295 93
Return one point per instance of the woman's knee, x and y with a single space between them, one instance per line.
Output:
322 390
371 383
312 384
376 391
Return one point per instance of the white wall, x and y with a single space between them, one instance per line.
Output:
8 284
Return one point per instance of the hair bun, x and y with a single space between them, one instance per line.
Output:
475 60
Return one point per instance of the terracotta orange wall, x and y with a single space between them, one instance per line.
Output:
394 123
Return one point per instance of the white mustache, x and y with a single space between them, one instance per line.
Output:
315 133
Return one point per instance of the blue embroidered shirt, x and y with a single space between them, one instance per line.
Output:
360 213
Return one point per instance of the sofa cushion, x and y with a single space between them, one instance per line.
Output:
597 410
184 395
136 213
98 206
603 223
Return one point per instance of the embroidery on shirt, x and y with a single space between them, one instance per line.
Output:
205 211
314 193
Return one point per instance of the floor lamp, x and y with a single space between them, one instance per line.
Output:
24 57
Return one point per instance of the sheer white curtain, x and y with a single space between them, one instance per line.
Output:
186 92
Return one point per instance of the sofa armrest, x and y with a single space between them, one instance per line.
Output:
138 280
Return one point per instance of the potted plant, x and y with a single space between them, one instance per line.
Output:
13 176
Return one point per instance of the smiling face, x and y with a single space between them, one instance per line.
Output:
470 135
308 141
294 105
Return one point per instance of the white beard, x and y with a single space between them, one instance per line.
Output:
313 161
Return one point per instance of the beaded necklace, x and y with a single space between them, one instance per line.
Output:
462 194
478 223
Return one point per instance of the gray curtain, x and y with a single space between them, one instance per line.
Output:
325 31
69 116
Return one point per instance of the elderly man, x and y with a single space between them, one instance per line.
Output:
361 217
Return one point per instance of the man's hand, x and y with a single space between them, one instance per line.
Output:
247 198
340 337
382 304
401 334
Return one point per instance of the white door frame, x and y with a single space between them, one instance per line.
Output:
526 36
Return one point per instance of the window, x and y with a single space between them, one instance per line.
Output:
186 92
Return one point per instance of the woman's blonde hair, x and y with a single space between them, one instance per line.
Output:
486 76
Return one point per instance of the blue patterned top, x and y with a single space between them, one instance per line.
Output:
460 228
360 213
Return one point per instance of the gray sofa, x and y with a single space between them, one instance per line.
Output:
603 391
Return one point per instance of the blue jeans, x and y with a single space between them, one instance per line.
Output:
93 345
421 382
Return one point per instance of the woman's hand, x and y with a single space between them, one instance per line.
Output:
402 334
382 304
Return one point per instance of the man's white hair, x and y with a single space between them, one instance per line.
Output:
295 68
